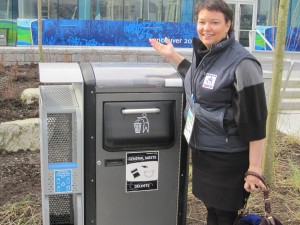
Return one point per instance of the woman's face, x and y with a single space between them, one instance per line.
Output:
211 27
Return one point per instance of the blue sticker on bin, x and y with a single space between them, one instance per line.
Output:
62 181
62 165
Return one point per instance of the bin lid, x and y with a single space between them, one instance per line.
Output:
135 75
60 73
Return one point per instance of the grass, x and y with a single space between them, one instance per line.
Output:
294 176
25 212
292 139
285 187
285 194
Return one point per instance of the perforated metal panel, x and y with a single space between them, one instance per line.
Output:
61 155
60 209
58 96
61 137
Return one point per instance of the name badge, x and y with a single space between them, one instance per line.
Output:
189 125
209 81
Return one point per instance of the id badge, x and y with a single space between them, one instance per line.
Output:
189 125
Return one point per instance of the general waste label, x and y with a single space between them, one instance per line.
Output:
142 171
62 181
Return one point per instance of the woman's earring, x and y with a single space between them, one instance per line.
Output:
227 37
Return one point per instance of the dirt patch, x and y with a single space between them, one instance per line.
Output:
13 80
19 175
20 172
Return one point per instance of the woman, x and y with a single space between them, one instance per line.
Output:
227 106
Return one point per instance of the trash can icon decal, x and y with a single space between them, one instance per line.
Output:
142 125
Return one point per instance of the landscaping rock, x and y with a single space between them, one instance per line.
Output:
20 134
30 95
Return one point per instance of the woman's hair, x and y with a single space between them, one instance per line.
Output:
216 5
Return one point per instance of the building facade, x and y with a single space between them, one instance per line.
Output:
132 22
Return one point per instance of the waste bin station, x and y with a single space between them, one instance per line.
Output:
112 149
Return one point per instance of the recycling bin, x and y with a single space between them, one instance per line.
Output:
61 143
127 150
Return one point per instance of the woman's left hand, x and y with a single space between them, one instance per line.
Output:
254 184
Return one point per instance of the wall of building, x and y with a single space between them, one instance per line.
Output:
27 55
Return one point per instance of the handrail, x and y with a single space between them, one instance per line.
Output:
289 72
252 39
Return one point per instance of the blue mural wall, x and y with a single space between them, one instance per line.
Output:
292 38
129 33
112 33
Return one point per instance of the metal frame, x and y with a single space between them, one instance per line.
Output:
58 100
61 122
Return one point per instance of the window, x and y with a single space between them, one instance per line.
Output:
62 9
51 9
27 9
267 12
295 13
4 9
8 9
98 9
172 11
138 10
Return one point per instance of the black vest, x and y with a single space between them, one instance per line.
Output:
212 85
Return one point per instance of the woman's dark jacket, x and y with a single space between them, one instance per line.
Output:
229 97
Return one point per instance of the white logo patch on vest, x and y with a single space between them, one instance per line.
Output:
209 81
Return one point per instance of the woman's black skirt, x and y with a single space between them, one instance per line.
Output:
218 178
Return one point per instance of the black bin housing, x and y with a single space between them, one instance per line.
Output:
134 153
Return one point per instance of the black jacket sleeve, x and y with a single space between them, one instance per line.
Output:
183 67
250 101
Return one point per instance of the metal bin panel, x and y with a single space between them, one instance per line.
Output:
61 155
138 125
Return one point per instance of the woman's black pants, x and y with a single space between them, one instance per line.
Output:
220 217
